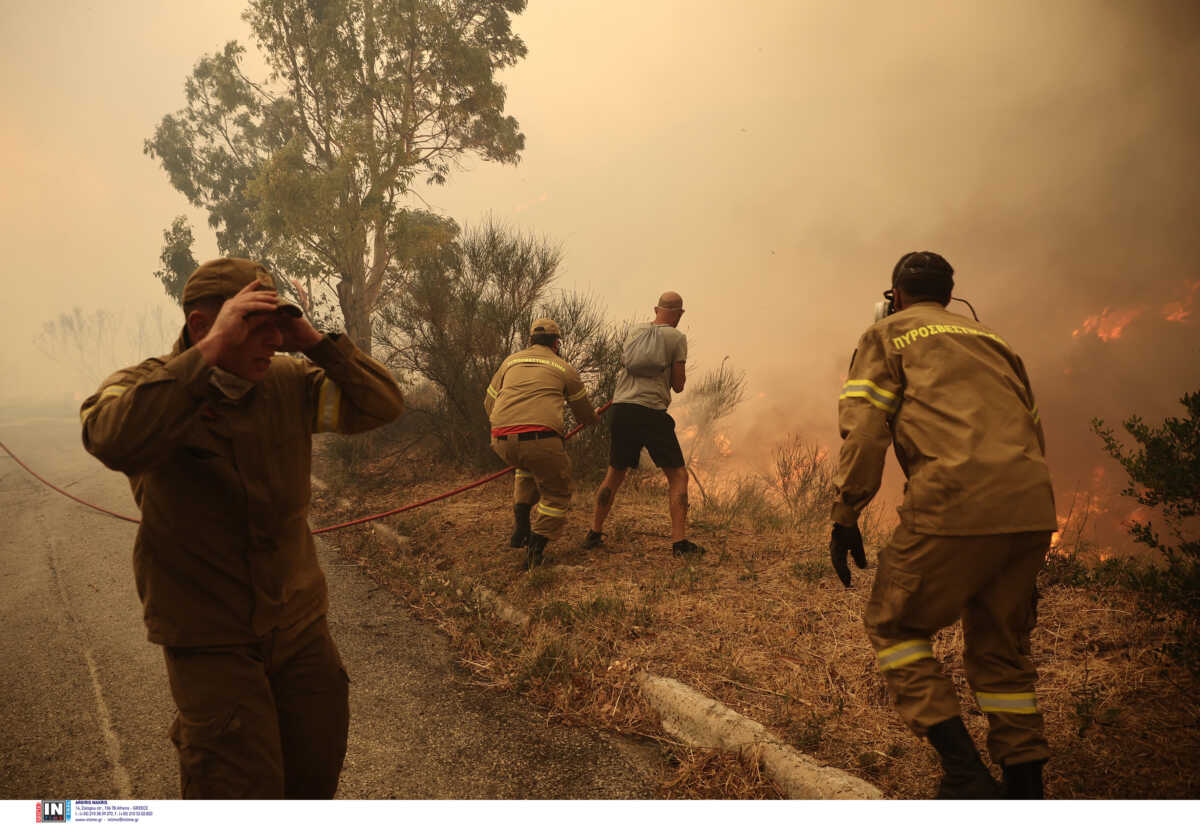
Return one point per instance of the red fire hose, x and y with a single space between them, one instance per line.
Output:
21 464
356 521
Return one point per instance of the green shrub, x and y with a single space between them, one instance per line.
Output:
1164 476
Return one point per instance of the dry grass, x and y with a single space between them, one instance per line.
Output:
698 774
761 624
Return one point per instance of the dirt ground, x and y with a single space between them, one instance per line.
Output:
760 623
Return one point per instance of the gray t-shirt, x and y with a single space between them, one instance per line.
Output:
652 392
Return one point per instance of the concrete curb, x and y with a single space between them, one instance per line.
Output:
503 608
391 534
376 526
700 721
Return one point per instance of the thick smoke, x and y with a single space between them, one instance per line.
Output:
769 160
1051 154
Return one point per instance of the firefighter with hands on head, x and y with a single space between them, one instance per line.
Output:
954 400
216 438
655 364
524 403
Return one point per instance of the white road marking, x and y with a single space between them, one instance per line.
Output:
120 775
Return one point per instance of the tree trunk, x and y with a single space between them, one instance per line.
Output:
355 310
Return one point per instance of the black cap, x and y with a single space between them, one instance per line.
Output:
923 273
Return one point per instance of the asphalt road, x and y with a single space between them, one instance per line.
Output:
84 704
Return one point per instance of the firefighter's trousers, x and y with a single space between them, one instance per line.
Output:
265 720
543 480
927 582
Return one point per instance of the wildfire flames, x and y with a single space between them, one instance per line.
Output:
1178 311
1108 325
723 445
1085 508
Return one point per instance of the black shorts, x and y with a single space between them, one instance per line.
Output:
634 426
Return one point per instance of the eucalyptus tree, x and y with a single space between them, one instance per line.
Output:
311 167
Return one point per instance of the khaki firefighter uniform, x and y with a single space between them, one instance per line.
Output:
975 522
224 559
528 390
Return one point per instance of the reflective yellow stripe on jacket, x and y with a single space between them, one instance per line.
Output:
872 393
329 406
543 361
108 392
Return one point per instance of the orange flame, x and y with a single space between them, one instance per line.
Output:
1085 506
1108 325
724 447
1178 311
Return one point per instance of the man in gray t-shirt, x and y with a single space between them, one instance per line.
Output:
654 391
639 419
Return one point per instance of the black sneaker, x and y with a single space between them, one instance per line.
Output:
593 539
686 547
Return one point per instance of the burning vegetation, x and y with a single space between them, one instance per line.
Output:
1109 324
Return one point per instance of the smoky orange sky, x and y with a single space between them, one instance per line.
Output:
769 160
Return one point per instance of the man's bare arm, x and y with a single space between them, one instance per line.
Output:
678 375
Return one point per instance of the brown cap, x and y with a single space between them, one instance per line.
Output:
544 326
225 277
670 300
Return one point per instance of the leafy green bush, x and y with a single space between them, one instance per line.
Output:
1164 476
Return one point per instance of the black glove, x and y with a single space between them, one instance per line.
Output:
846 539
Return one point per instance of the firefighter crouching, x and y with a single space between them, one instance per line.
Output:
524 403
975 523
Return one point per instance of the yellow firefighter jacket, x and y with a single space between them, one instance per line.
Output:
529 389
224 553
956 402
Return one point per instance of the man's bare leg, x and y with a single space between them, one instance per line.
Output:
677 495
606 495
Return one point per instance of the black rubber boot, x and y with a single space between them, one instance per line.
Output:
521 529
964 776
534 549
1024 781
